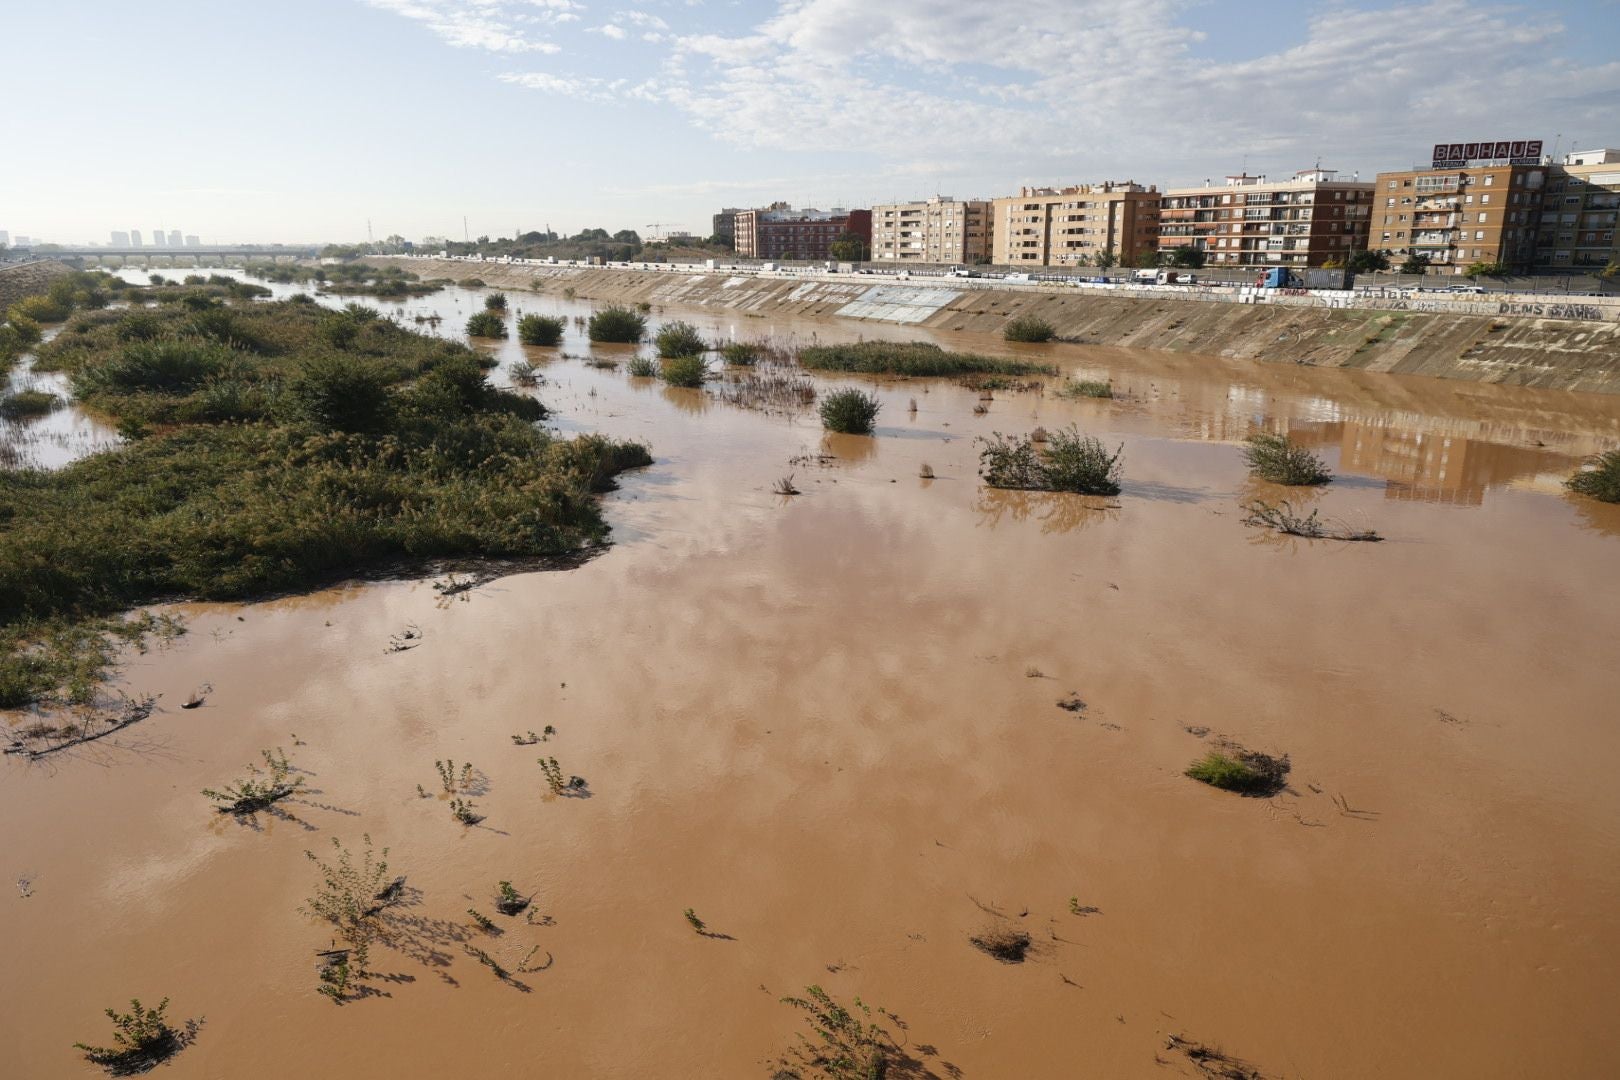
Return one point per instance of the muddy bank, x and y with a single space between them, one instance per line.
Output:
1558 354
28 279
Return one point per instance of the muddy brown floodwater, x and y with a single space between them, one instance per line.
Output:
829 725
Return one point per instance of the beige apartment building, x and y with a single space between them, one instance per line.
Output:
1311 218
1578 213
1071 226
1473 203
938 230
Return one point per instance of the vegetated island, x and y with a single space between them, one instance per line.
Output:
350 279
270 447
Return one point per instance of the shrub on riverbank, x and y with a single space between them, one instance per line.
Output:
616 324
388 452
486 323
679 339
1070 462
540 330
849 412
471 283
683 370
911 358
1274 458
1600 478
1031 328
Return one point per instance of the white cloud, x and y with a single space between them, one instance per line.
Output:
1067 90
1086 89
483 24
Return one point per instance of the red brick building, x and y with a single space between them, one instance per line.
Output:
785 234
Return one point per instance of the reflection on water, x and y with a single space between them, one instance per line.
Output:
1055 512
1434 441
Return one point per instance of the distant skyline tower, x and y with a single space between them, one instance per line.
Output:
134 238
192 241
5 238
175 239
157 238
120 239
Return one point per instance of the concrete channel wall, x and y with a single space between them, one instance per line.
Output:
1517 339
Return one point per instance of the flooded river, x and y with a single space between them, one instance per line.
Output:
829 725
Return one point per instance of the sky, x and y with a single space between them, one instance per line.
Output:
302 120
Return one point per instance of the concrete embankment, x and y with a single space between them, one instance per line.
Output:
1480 339
27 279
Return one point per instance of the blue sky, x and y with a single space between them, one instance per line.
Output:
301 119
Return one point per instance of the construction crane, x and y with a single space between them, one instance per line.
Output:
652 230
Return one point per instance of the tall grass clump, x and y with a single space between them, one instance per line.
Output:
849 412
679 339
615 324
540 330
1070 462
1244 771
1031 328
918 358
486 324
1088 388
643 367
1274 458
683 370
495 302
1600 478
740 353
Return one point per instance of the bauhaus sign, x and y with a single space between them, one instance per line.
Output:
1455 155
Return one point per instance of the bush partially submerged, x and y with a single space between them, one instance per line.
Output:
683 370
643 367
1600 478
679 339
540 330
26 403
1282 518
1028 328
1002 942
617 324
142 1040
488 324
1069 462
1089 388
1274 458
911 358
495 302
1246 772
849 412
740 353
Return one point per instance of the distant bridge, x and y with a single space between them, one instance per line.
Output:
263 251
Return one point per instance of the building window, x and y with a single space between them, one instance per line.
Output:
1479 234
1482 217
1489 180
1485 198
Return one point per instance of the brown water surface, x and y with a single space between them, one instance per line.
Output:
828 724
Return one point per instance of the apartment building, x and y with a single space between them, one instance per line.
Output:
1475 202
784 233
1578 213
1250 221
938 230
1071 226
725 224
